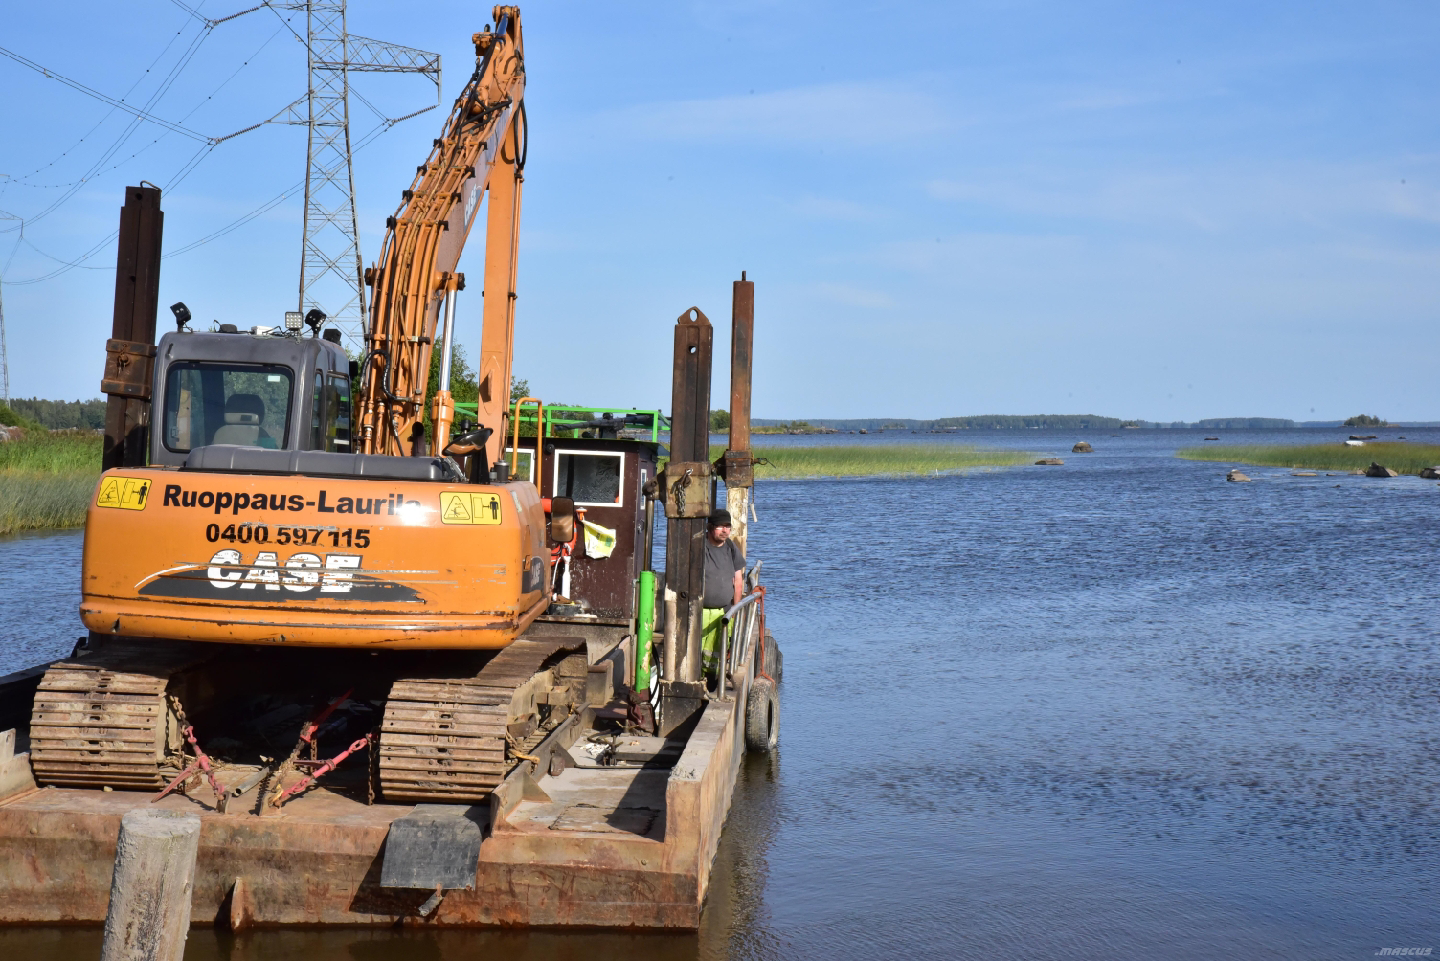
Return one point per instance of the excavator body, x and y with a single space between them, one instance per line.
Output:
256 525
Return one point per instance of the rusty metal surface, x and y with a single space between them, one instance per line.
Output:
606 585
128 368
685 541
742 340
319 860
137 293
685 487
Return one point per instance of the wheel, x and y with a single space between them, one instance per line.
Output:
774 662
762 717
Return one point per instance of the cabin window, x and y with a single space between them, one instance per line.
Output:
209 403
330 413
590 479
524 463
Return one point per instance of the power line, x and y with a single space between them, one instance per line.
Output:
234 225
180 175
91 92
209 24
140 114
290 191
166 49
376 55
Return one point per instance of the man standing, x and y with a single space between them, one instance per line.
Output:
724 586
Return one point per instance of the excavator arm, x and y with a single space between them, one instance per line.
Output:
482 147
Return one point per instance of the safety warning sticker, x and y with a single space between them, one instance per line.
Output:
124 493
464 507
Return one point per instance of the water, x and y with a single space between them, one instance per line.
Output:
1115 709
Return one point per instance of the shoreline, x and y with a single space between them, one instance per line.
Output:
1403 457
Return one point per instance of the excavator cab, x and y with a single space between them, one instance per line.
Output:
266 388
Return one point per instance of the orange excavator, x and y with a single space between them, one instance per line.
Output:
264 542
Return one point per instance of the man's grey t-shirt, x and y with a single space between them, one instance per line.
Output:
721 563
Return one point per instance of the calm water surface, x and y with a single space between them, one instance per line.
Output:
1115 709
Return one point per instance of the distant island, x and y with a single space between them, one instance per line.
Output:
825 425
1016 422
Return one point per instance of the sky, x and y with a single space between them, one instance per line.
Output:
1166 211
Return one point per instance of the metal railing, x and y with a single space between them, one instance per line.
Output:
746 619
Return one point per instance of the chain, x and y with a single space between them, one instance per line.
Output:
678 489
183 722
372 779
275 783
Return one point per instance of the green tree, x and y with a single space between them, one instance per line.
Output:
61 414
464 389
518 389
719 421
1365 420
10 418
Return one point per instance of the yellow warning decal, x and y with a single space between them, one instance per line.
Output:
463 507
123 493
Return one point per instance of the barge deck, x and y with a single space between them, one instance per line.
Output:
588 845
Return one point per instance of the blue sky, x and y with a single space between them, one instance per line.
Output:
1167 211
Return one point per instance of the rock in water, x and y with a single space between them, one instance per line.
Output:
1375 470
1303 473
1354 443
1082 448
1235 475
1430 473
1049 462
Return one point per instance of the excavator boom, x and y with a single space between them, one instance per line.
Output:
415 282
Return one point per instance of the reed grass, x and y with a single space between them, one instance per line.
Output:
47 479
897 460
32 501
1401 457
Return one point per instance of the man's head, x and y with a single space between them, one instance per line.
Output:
720 523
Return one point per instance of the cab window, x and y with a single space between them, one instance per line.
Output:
209 403
330 413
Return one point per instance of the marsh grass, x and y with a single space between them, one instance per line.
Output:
46 479
797 463
1401 457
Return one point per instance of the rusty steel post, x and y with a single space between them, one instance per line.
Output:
130 352
686 482
738 466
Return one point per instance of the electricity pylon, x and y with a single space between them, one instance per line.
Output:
331 269
4 350
4 355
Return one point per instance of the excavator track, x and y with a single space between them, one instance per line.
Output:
455 739
102 720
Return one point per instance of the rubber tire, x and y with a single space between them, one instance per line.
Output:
762 717
774 664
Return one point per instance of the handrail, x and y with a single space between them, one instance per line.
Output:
745 601
539 436
750 610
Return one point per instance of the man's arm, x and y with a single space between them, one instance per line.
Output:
739 587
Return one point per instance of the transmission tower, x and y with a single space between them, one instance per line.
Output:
331 269
4 350
4 354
